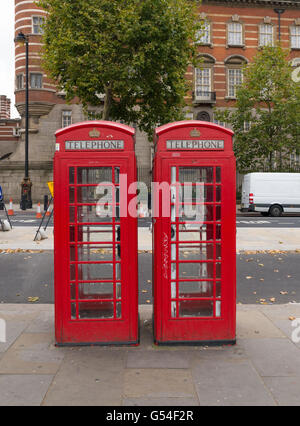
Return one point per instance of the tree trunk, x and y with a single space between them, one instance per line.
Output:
107 102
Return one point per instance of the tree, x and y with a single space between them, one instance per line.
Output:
269 100
135 52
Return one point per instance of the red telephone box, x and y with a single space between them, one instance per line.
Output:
95 240
194 238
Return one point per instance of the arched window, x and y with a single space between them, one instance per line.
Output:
234 66
204 80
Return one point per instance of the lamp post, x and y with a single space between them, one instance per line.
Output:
279 12
26 202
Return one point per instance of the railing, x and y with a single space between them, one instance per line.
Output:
204 96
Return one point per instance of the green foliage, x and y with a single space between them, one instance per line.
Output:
270 100
136 52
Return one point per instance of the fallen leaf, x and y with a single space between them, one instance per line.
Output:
261 279
144 291
284 292
272 299
33 299
249 277
276 270
261 264
291 318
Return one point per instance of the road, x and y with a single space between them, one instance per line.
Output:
243 220
261 278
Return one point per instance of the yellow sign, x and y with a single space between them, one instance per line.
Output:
51 188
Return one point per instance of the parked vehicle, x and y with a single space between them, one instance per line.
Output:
271 194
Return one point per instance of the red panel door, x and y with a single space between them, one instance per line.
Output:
197 294
96 269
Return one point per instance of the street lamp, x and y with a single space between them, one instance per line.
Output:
26 202
279 12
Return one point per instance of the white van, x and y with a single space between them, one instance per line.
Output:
271 193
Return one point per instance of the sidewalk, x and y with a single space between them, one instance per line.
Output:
247 239
262 369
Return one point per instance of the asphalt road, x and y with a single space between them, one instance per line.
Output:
261 278
243 220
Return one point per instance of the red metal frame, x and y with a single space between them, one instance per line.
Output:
200 308
96 290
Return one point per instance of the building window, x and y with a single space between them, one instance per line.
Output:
205 34
235 34
202 83
266 35
247 126
295 159
66 118
20 82
37 24
235 79
295 37
36 81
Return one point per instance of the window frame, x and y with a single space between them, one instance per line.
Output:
233 68
296 27
231 43
262 25
208 29
35 87
40 30
20 78
65 116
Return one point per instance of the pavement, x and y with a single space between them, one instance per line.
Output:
263 368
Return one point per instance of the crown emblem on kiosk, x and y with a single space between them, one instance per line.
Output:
195 133
94 133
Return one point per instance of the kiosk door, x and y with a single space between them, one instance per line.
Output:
96 275
195 297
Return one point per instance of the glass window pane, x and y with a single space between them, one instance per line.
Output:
95 291
193 289
196 174
196 270
197 232
95 271
218 174
93 175
196 308
96 253
97 310
96 233
196 251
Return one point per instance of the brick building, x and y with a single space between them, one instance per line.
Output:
9 129
235 30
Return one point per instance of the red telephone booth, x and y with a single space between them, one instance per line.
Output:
95 240
194 238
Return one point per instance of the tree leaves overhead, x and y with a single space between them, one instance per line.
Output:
136 52
269 100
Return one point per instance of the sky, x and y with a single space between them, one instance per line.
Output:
7 66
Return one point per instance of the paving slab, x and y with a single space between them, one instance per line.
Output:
32 353
229 382
158 383
161 402
285 390
23 390
273 357
87 377
159 359
254 324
